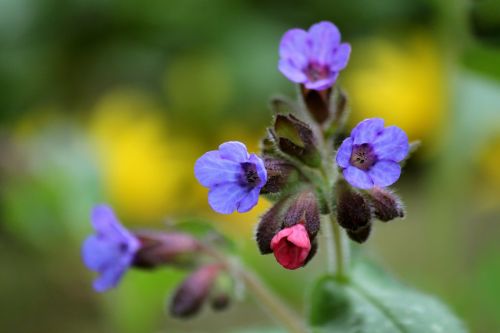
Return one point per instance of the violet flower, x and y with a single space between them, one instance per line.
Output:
314 57
111 250
371 155
233 176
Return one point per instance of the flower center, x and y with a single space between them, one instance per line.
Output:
316 72
250 176
363 157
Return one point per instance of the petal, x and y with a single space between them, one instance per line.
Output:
340 57
110 277
261 169
292 71
249 201
106 224
322 84
299 237
210 169
293 47
344 153
358 178
234 151
385 173
225 198
367 130
324 37
97 252
392 144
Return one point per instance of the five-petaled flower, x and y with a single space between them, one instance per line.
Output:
371 155
111 250
233 176
291 246
314 57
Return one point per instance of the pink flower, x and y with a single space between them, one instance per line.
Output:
291 246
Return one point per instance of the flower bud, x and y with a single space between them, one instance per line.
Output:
220 301
163 248
317 102
291 246
279 174
353 210
289 229
296 138
360 235
194 290
386 205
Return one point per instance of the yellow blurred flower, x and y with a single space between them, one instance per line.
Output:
143 169
402 83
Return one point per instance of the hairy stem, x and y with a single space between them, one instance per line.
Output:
275 307
341 249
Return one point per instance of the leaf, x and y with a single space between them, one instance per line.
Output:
373 302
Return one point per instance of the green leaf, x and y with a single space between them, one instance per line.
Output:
373 302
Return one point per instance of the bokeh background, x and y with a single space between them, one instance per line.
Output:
113 100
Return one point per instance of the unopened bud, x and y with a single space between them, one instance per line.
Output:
353 210
163 248
194 290
220 301
317 103
270 224
296 139
304 209
386 205
360 235
279 174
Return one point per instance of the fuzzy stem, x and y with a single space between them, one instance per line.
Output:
341 250
276 308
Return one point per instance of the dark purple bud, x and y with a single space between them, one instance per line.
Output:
270 224
353 210
386 205
360 235
194 290
317 102
279 174
297 139
163 248
303 209
220 301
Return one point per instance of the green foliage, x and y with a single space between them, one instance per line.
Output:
372 301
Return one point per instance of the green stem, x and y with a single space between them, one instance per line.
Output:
341 250
275 307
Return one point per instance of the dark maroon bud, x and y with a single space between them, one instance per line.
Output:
297 139
163 248
270 224
360 235
386 205
220 301
317 103
353 210
194 290
303 209
279 174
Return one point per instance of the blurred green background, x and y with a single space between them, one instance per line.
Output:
113 101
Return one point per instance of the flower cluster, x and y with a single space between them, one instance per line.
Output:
299 169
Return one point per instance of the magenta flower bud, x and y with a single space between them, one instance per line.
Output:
291 246
194 290
164 248
386 205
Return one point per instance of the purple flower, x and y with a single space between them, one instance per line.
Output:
233 176
371 155
111 250
315 57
